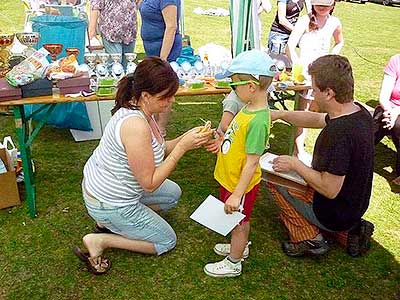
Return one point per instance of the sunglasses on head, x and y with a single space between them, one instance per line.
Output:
233 85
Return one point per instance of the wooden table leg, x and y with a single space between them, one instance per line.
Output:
293 128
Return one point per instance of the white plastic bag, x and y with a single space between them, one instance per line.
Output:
11 150
29 70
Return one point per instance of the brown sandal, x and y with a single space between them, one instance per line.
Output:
97 265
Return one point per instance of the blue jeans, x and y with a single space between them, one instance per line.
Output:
138 221
277 42
111 47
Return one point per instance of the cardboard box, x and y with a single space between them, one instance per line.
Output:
9 195
40 87
8 92
75 84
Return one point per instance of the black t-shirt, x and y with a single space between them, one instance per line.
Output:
293 10
345 148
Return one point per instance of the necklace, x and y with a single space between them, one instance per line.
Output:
155 129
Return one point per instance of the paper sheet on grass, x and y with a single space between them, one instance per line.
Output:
266 164
211 214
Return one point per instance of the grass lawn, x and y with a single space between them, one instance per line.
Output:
36 261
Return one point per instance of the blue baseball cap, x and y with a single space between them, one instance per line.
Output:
253 62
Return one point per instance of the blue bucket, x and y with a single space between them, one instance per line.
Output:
66 30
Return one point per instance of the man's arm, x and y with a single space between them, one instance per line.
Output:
325 183
305 119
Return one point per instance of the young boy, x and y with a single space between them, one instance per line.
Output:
237 168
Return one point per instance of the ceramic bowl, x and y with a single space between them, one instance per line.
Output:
130 56
6 39
28 38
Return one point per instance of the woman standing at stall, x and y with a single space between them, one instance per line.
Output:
161 36
313 34
285 19
160 28
117 23
126 178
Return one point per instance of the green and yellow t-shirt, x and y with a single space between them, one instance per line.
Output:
248 133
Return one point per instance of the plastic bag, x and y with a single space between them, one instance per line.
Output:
65 115
11 151
29 70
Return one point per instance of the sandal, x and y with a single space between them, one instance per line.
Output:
98 229
396 180
97 265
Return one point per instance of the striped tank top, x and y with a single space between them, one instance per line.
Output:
107 174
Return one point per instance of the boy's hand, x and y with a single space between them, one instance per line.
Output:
232 204
214 145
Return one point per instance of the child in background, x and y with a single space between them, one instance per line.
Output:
237 168
231 105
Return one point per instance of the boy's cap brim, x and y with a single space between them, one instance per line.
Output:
254 62
322 2
223 75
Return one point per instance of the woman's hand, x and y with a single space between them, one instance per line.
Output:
193 139
232 204
390 117
214 145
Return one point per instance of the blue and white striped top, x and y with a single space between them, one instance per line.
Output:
107 174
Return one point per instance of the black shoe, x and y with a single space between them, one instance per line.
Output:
359 238
314 247
98 229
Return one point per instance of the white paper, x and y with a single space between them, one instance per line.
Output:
211 214
266 164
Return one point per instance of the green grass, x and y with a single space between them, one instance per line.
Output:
35 257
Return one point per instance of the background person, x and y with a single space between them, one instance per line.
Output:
286 17
313 33
263 5
387 113
126 178
161 36
340 179
117 22
160 28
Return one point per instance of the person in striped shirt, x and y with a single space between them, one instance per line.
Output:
126 180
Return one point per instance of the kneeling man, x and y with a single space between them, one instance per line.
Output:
340 178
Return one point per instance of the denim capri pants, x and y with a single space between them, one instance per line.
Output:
138 221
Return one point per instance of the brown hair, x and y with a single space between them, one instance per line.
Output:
334 72
264 81
313 25
152 75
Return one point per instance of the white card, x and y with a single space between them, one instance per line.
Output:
266 165
211 214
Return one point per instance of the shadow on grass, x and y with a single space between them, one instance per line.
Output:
386 157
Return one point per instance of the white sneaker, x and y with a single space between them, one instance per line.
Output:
223 268
225 249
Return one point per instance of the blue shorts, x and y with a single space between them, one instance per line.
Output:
138 221
277 42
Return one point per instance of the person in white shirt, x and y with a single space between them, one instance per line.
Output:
313 34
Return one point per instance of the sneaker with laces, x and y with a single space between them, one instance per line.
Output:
223 268
225 249
313 247
359 239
